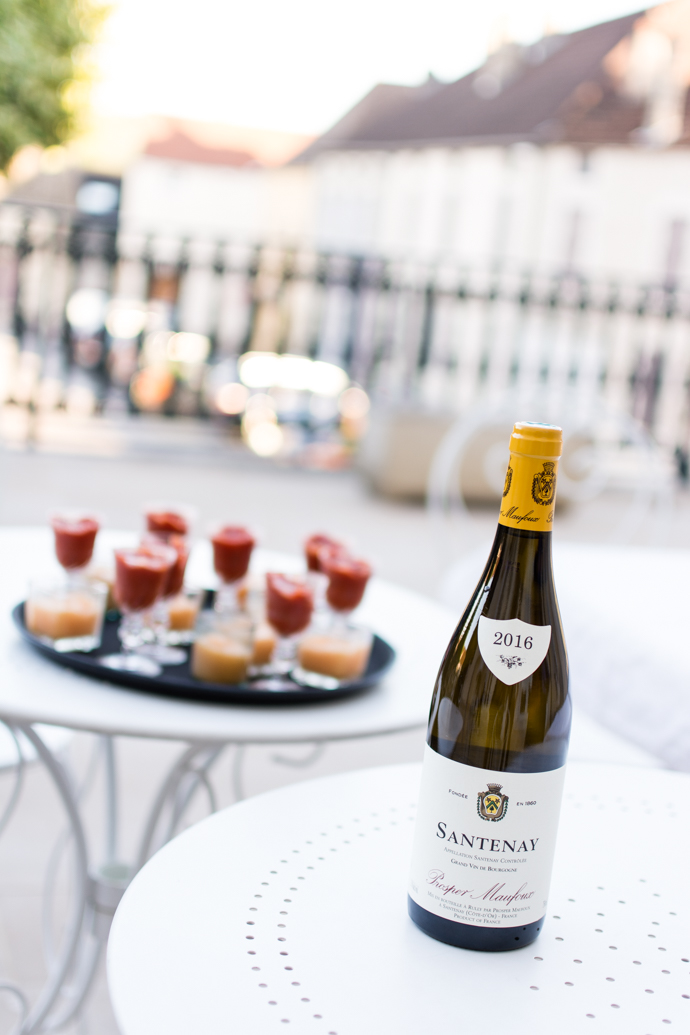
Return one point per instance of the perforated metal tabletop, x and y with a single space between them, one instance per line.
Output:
287 912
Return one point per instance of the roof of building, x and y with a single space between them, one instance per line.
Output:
180 147
558 89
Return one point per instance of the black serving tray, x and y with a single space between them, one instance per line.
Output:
177 681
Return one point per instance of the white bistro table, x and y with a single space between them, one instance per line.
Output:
34 691
288 912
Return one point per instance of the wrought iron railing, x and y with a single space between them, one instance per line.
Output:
93 317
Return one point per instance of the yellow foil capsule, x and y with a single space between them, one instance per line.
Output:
529 493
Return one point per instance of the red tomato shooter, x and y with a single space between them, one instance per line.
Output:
74 540
166 522
141 575
318 548
232 551
178 543
347 581
289 603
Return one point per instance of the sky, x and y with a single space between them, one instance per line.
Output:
298 65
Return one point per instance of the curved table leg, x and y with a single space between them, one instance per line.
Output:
237 767
315 752
188 774
6 986
17 786
45 1012
311 758
111 830
72 963
97 890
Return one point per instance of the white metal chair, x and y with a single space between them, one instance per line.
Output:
603 449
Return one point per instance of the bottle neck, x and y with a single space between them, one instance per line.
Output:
519 560
529 493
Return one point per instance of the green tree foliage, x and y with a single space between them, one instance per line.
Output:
42 45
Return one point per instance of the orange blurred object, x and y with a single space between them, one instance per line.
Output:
151 387
342 657
219 659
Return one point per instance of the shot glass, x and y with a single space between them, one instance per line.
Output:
159 618
251 598
232 551
75 535
140 576
183 611
318 548
67 618
347 582
327 657
289 608
223 648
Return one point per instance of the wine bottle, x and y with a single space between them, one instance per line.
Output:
498 730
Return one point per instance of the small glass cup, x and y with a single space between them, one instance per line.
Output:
159 617
347 582
183 612
265 643
317 549
251 598
289 608
223 648
140 577
105 573
327 656
75 535
232 551
67 618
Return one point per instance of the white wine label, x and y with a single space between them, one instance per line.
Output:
484 842
513 650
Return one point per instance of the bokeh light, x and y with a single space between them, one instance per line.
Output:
259 369
265 439
354 403
231 398
260 409
293 372
151 387
327 378
155 351
80 400
86 310
186 347
298 373
125 319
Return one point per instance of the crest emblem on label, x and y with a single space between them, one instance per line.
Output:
491 804
512 650
508 481
544 484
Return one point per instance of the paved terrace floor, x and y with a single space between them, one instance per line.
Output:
116 466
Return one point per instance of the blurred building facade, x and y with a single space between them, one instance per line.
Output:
524 229
191 181
569 155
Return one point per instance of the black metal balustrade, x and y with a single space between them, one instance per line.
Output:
93 318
